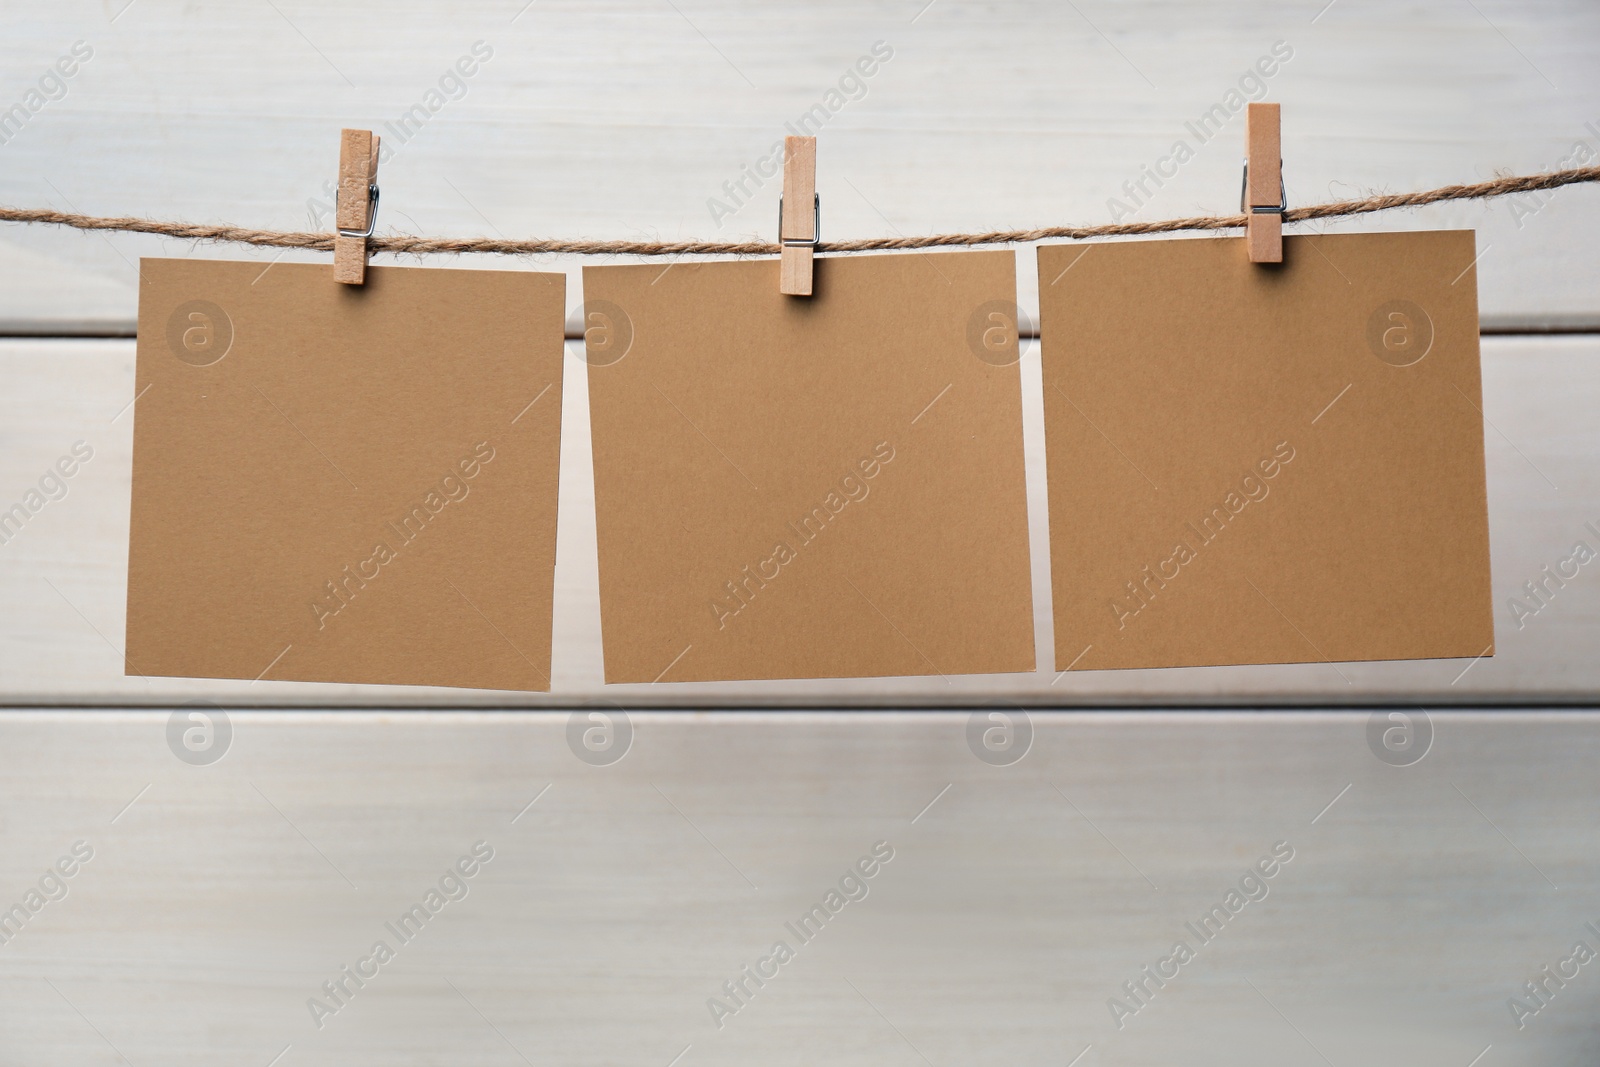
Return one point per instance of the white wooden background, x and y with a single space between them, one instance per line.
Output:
222 896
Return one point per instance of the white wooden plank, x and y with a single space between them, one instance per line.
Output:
625 119
219 898
63 577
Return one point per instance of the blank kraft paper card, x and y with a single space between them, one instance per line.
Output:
1256 463
341 483
809 487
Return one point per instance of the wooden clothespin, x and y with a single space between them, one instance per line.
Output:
1263 199
356 208
797 227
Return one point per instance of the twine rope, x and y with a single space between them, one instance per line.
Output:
406 244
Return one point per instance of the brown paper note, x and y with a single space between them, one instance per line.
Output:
345 484
1265 464
805 487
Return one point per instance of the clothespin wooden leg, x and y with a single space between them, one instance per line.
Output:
1263 170
357 209
797 215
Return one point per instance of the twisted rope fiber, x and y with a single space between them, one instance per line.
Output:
404 244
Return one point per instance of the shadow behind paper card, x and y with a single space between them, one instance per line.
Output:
811 487
345 484
1265 464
